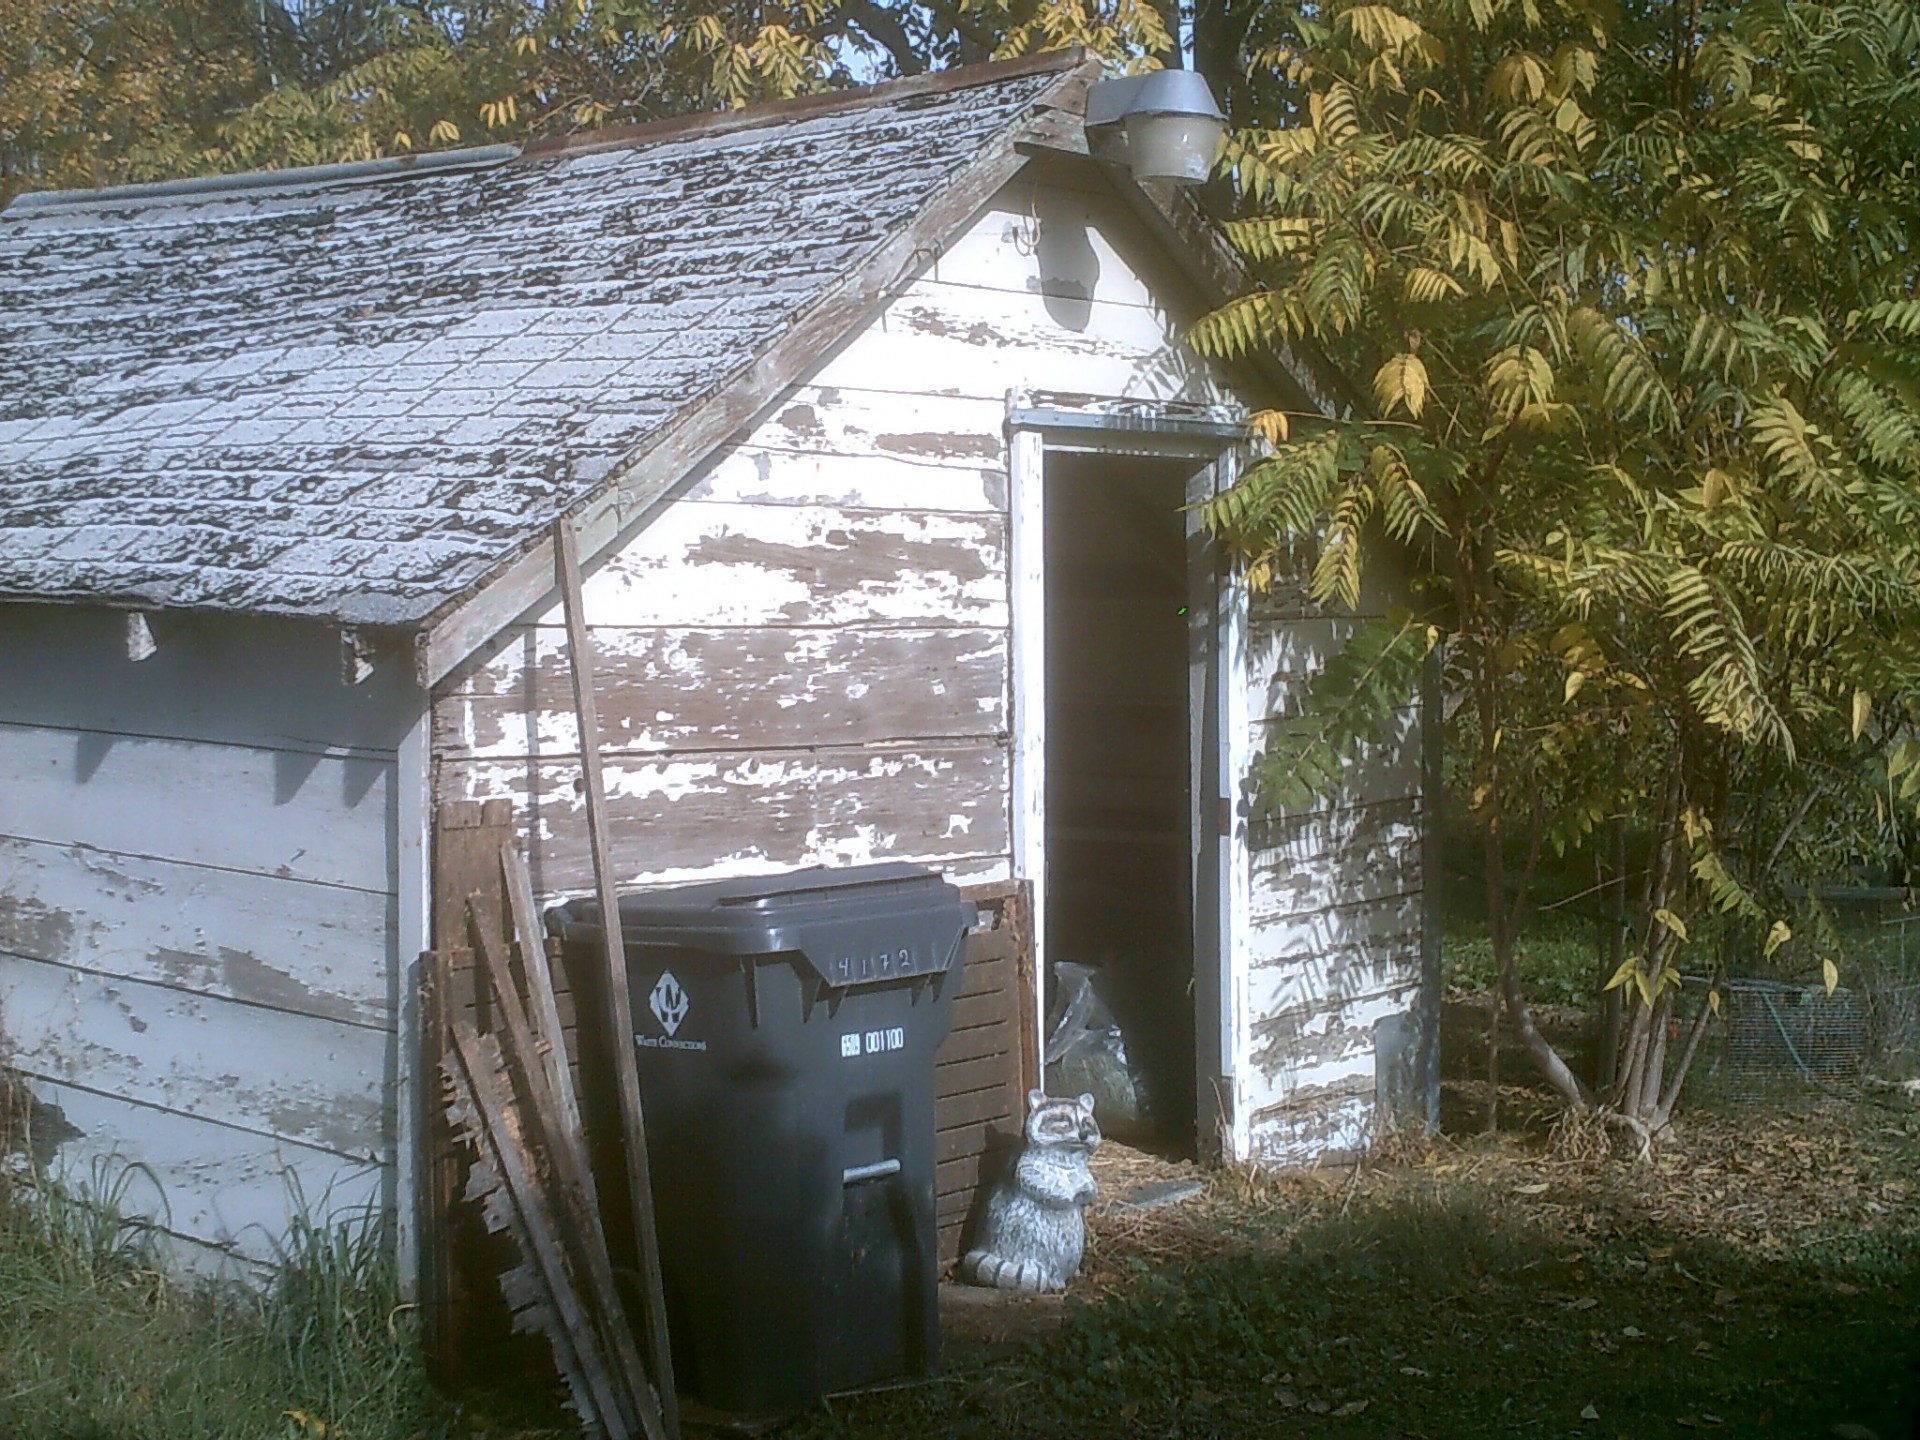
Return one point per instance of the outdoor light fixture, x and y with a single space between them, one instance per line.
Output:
1165 125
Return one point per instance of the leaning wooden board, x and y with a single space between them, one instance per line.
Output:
988 1063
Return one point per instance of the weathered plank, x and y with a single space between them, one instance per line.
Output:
1284 656
1320 1046
678 690
303 816
1301 864
959 1075
982 1069
1342 951
987 975
757 474
981 343
233 679
1321 1126
319 1082
677 819
209 1182
970 1011
653 1309
306 949
896 421
721 564
460 1310
977 1136
960 1177
540 1287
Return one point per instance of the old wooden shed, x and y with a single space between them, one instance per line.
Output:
871 417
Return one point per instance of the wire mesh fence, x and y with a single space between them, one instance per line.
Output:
1783 1033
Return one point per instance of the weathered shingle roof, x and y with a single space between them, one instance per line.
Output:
350 400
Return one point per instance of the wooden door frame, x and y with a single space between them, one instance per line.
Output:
1213 437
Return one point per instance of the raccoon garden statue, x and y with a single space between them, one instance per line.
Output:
1031 1232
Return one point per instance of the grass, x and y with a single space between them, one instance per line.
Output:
97 1342
1761 1278
1484 1291
1428 1305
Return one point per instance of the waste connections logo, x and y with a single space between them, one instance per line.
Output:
668 1002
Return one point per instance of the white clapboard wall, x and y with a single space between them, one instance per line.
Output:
805 655
197 912
1332 944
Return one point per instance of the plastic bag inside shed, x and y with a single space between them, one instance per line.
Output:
1087 1053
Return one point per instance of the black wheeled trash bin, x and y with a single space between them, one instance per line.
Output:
786 1029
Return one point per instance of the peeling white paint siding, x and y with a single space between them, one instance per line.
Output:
197 910
1334 917
804 659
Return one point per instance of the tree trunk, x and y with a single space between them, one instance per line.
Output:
1493 1059
1606 1070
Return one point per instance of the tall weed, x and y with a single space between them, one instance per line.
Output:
101 1340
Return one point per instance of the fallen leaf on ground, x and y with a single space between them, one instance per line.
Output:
1589 1413
1539 1189
1585 1302
1286 1399
1352 1407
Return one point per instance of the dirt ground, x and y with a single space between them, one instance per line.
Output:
1768 1178
1148 1203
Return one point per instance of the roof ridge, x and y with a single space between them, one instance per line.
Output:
292 177
825 102
439 162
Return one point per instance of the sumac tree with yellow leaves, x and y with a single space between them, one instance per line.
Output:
1633 298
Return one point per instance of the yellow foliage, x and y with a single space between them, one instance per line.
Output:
1402 381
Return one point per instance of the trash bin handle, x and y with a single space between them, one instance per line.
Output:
879 1170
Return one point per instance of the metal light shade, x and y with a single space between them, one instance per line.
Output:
1175 148
1171 122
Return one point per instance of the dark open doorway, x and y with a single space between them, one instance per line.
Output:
1119 761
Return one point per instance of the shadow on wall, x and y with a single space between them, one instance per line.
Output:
29 1126
1069 266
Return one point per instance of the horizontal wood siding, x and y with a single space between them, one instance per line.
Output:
198 914
760 688
317 950
1336 897
803 658
223 1191
677 819
251 1067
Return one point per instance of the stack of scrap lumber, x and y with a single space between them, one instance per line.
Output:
511 1098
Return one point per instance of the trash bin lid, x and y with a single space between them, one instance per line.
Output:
863 924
